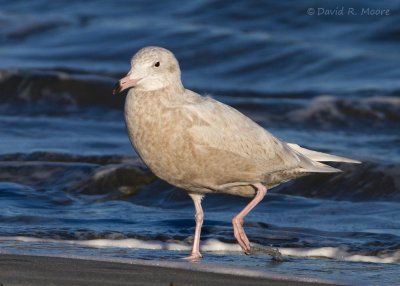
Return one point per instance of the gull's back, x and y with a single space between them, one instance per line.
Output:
203 145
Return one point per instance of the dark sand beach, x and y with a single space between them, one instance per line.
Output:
41 270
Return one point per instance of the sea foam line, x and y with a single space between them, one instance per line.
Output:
214 245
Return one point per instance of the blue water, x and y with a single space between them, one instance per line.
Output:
69 176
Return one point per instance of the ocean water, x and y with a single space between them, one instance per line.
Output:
71 184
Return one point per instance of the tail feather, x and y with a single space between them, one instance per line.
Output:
309 166
321 157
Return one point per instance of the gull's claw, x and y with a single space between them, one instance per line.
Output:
194 257
240 235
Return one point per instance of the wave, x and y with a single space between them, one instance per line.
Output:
331 110
15 29
55 92
368 181
255 46
114 176
118 177
217 246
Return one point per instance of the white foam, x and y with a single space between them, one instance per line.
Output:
214 245
340 254
106 243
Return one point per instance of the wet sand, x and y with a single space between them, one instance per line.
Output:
40 270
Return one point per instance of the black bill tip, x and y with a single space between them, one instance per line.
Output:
117 88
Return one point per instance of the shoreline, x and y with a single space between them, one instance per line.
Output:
54 270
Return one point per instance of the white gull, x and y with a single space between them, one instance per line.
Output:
204 146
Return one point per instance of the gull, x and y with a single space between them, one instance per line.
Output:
203 146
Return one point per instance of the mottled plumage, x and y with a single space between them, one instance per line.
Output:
200 144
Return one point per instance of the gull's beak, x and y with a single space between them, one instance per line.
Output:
124 83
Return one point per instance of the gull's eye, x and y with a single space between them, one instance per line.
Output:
157 64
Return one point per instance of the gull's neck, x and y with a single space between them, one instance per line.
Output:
171 92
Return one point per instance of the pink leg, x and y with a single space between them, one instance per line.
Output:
196 255
238 220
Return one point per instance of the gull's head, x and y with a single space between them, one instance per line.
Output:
152 68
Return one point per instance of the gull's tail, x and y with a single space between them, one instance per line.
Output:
321 157
311 160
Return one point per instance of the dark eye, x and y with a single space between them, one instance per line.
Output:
157 64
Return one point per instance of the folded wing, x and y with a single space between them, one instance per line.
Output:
219 127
